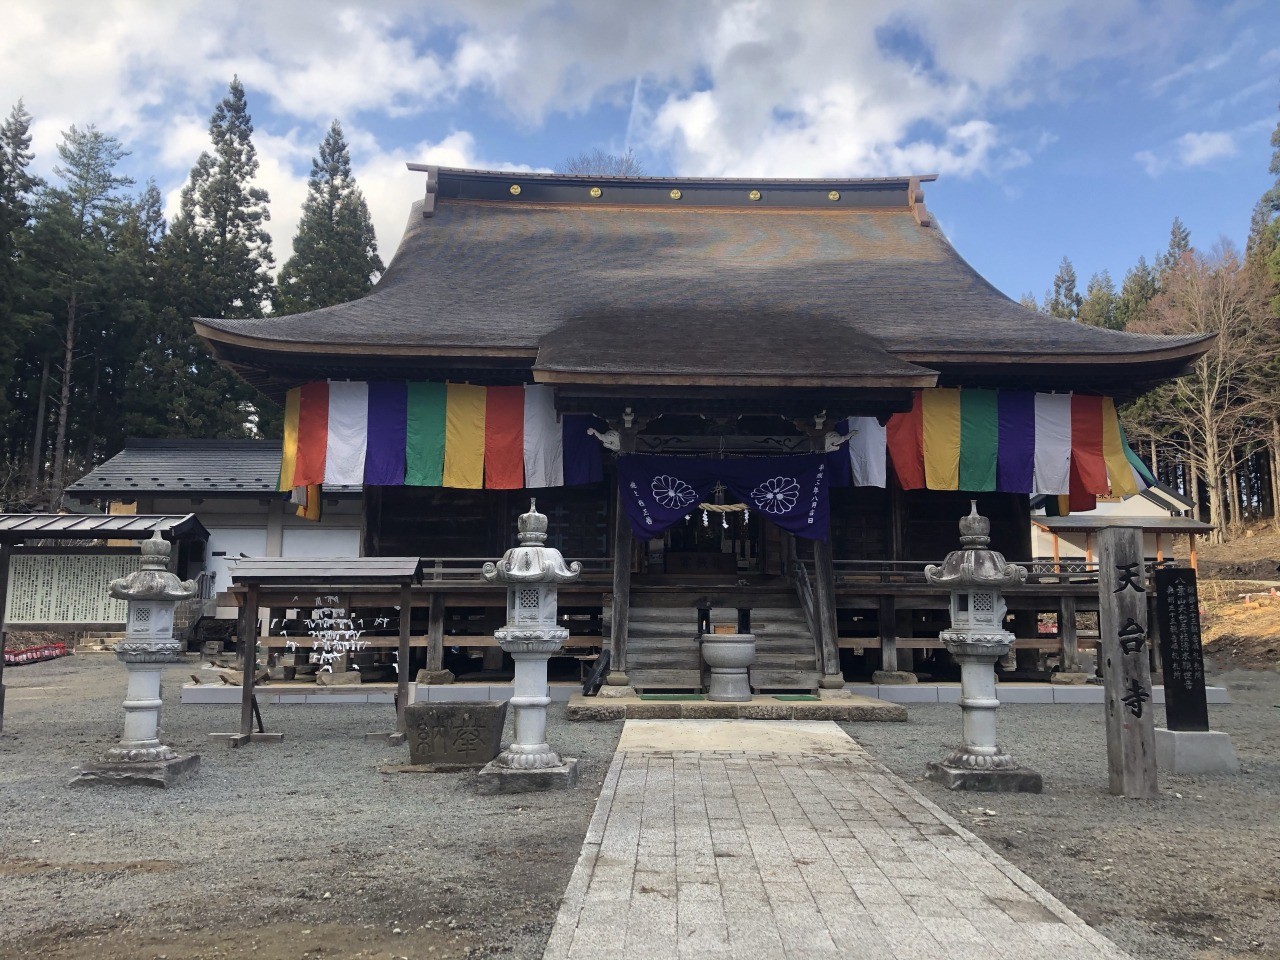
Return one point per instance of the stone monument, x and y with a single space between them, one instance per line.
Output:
1186 745
531 636
152 593
975 575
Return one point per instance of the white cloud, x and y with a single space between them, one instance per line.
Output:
1192 149
733 87
1197 149
1152 165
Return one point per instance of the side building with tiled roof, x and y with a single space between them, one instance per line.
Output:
231 485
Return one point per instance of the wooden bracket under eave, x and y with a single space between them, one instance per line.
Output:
433 187
915 201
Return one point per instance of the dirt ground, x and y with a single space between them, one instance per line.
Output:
302 850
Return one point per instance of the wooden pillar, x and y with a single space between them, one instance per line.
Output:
1122 623
435 633
1067 634
5 551
1057 550
888 627
1159 548
249 650
1192 538
1088 547
402 656
621 610
825 598
620 618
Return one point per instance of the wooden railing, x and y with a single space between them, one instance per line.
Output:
466 570
809 606
853 572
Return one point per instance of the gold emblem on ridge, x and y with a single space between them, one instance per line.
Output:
754 195
676 194
515 189
833 195
596 191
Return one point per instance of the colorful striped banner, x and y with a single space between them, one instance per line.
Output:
1014 442
313 434
941 434
393 433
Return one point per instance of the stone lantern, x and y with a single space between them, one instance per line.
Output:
152 593
975 576
532 572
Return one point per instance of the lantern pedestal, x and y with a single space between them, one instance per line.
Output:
529 764
979 763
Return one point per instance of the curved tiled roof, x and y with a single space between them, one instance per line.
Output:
635 282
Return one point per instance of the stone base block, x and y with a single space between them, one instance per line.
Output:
435 676
608 691
495 779
162 773
1191 752
1069 679
889 677
835 693
1017 780
344 678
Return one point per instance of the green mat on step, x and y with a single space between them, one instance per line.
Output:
795 696
672 696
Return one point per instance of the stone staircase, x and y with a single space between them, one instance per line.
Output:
662 644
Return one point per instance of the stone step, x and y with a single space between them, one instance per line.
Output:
773 680
646 680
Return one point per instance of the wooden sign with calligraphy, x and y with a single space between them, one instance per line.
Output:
1126 670
1178 614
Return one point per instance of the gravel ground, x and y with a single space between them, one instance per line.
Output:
302 850
1193 874
298 849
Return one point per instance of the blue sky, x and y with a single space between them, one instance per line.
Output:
1078 128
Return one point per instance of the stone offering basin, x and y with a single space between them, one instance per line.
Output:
730 656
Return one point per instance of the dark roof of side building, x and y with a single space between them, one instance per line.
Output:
648 281
198 468
20 527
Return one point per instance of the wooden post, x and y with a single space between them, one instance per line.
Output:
1057 560
1067 634
1088 547
5 551
249 647
621 595
825 598
435 633
622 548
1159 548
1192 538
888 634
1122 622
402 656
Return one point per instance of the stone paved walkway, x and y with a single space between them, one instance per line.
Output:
756 839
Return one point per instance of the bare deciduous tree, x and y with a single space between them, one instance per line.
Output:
597 163
1218 409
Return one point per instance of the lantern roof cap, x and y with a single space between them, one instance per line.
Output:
531 561
975 564
153 581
